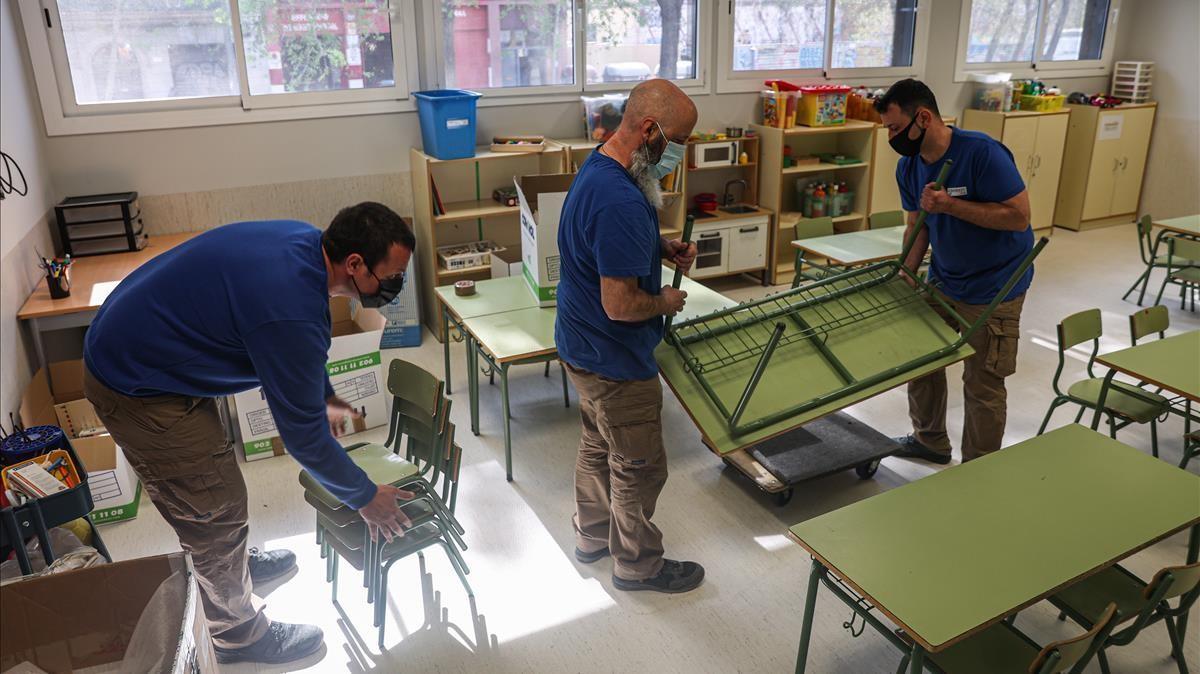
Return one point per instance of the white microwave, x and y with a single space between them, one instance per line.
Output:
716 154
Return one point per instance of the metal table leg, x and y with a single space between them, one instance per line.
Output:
446 344
810 604
1192 554
473 381
916 663
507 420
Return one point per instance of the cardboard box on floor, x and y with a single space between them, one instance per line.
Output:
115 488
85 619
541 200
355 369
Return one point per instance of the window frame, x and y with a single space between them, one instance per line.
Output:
1101 67
436 60
734 81
65 116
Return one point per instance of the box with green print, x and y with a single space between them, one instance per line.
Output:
355 369
541 199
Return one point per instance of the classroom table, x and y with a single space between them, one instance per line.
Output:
508 329
855 248
92 279
1187 225
956 552
1172 363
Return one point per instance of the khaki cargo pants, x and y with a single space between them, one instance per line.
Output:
620 471
985 398
179 448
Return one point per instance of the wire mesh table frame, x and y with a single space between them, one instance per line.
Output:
811 314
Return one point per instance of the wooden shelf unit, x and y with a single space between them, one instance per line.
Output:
778 188
470 214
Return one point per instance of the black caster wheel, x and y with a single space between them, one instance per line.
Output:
783 498
866 471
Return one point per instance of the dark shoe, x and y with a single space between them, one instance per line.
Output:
911 449
589 557
675 577
283 642
266 566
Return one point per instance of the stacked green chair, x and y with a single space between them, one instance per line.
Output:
1156 320
1003 649
884 219
1182 269
420 455
1124 401
1140 602
1146 249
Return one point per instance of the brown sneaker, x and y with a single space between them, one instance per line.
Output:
675 577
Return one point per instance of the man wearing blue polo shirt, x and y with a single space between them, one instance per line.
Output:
978 227
611 304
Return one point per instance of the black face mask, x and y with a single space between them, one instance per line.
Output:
905 146
388 290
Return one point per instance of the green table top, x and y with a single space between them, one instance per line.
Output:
1172 363
852 248
492 296
797 372
1188 224
950 553
519 333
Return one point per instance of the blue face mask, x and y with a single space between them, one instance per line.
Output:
670 159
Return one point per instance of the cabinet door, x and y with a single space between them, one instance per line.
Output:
1134 143
885 194
747 245
1102 175
1047 166
1020 137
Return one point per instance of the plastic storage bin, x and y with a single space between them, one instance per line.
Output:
447 122
823 105
1045 103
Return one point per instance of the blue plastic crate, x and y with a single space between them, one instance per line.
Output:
447 122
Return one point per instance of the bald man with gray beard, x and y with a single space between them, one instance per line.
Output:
611 304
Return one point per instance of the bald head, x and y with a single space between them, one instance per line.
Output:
663 102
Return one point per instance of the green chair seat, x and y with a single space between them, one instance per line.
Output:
1125 400
1189 274
381 465
1162 260
1000 649
1090 597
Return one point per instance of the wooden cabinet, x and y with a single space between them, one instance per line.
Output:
885 193
1036 141
1103 166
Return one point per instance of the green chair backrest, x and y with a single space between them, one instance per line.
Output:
884 219
1182 579
1061 656
1076 329
1181 250
1149 321
412 383
807 228
1144 227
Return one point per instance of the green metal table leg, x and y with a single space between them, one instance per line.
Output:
1103 396
917 664
507 431
446 344
473 382
810 604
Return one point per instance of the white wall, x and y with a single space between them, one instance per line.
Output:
1168 33
22 219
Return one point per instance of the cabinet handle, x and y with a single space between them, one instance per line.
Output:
747 230
1116 164
1039 161
1124 163
710 235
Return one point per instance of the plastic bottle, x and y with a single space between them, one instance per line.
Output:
835 201
818 203
806 204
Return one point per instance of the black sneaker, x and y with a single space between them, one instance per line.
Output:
589 557
283 642
911 449
270 565
675 577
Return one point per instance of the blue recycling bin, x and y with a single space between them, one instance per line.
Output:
447 122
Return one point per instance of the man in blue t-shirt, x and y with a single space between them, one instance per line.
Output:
978 228
611 304
239 307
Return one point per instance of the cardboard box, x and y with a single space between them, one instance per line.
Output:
541 200
506 263
87 618
403 315
116 491
355 369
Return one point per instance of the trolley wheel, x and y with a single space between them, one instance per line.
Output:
784 497
867 470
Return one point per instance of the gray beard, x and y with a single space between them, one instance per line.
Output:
640 170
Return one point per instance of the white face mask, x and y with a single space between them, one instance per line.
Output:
670 159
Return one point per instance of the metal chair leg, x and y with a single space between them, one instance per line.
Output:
1140 279
1053 406
1162 288
1154 437
1079 416
1112 427
1104 669
1176 644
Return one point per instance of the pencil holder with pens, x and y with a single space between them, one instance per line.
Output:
59 284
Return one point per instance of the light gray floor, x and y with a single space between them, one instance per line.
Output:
538 610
